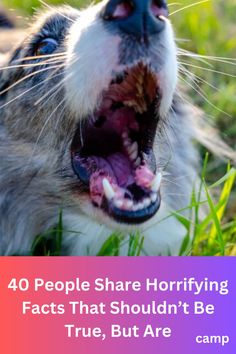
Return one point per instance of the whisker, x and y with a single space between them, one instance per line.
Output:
182 177
175 4
55 87
177 194
182 40
190 104
191 76
26 91
27 77
32 65
197 78
44 126
58 120
55 9
50 91
34 57
188 6
200 58
207 69
40 134
200 92
193 55
172 182
53 94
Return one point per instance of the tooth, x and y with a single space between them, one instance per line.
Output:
118 203
137 162
133 151
127 143
140 206
133 147
108 190
153 197
125 135
129 204
135 207
134 155
146 202
156 183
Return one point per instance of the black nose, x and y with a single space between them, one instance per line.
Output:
140 18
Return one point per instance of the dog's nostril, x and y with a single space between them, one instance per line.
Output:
159 8
139 18
121 11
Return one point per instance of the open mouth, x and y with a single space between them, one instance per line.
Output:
112 150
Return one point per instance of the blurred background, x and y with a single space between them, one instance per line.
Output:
207 28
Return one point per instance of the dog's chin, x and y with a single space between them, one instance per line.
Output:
101 217
112 150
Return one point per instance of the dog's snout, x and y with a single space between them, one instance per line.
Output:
140 18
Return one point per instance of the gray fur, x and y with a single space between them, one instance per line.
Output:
36 178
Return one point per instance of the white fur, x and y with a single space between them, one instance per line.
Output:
168 75
163 234
92 57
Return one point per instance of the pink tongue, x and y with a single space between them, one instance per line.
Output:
118 170
117 166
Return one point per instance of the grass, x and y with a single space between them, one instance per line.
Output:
212 235
209 30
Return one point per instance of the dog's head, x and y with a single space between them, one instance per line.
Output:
94 87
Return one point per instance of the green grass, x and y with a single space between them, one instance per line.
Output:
209 30
212 235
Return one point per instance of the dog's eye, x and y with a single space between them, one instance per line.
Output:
46 46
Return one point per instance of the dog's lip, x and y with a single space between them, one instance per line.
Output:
135 217
137 92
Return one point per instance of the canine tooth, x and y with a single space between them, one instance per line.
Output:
118 203
146 202
153 197
108 190
156 183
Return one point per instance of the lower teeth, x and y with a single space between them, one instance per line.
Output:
127 204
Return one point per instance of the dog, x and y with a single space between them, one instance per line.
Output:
92 123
